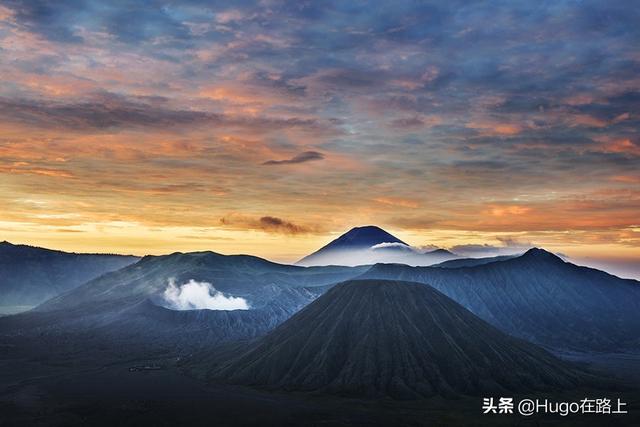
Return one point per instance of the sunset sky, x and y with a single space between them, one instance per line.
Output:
270 127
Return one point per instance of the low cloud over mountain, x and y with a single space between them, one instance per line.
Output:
507 246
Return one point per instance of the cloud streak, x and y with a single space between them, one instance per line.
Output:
306 156
268 224
107 111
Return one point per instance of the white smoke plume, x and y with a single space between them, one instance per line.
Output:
195 295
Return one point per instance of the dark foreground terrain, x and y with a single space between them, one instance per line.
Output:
42 384
44 393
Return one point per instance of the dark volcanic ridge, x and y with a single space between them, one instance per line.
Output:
537 297
126 306
405 340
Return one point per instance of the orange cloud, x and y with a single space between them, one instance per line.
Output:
508 210
220 93
25 168
397 201
6 14
586 120
625 146
495 129
627 179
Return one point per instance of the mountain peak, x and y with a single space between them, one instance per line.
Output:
440 251
366 236
539 253
358 238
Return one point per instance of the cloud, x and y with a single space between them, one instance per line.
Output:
306 156
503 210
268 224
507 246
105 111
100 112
388 252
407 122
521 125
394 246
397 201
129 21
194 295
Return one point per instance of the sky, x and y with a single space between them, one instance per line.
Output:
271 127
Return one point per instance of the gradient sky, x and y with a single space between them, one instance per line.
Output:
268 127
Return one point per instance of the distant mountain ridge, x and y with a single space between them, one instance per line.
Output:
538 297
30 275
237 275
472 262
404 340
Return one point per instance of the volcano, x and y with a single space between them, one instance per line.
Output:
404 340
360 237
370 245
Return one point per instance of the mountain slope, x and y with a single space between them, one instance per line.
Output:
237 275
540 298
370 245
127 305
30 275
399 339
